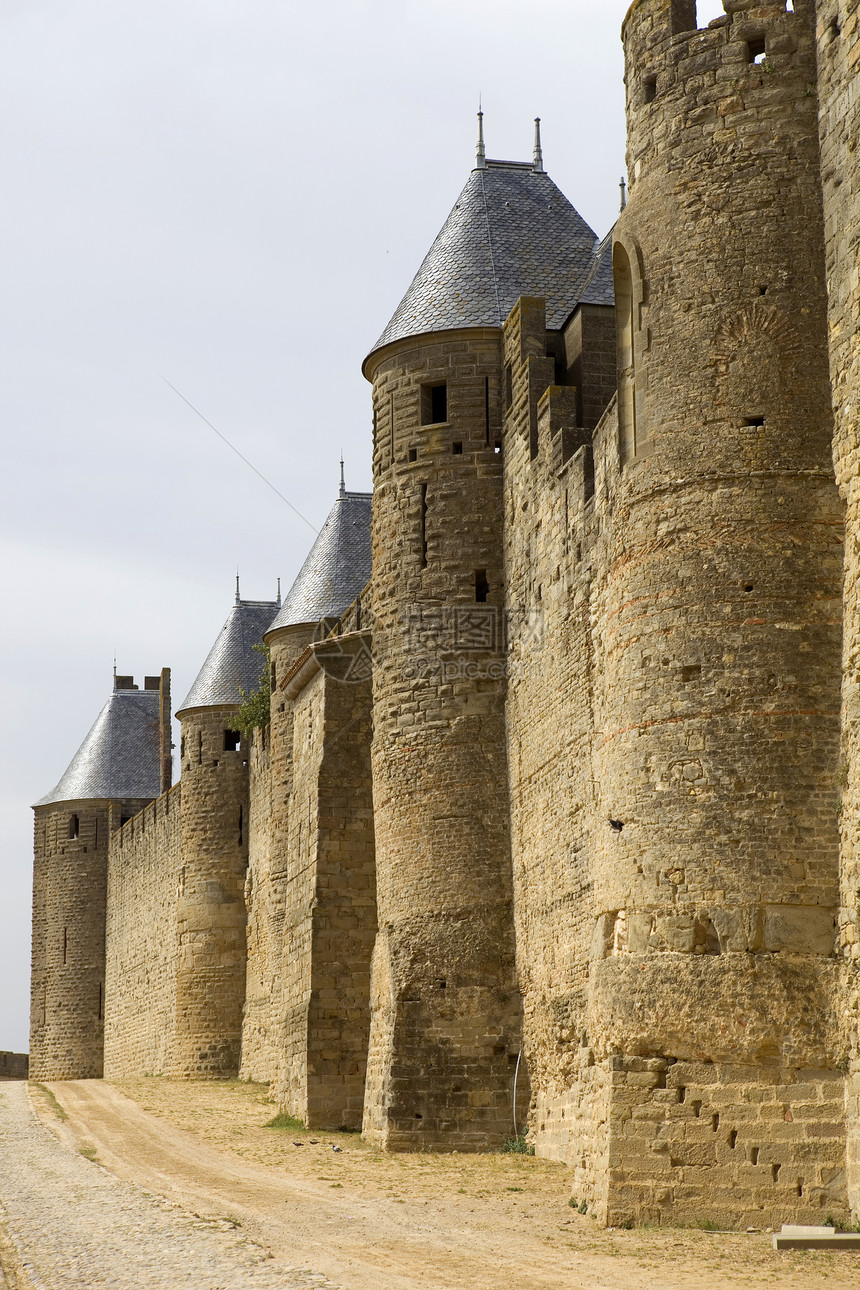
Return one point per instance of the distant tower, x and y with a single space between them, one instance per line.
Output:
446 1026
123 764
718 669
294 1034
210 985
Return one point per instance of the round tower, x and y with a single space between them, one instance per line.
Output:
115 773
210 978
719 633
446 1013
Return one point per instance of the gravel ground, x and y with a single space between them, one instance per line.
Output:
76 1227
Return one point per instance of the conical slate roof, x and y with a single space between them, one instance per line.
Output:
232 664
337 567
511 233
120 757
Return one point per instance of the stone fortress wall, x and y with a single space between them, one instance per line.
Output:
593 804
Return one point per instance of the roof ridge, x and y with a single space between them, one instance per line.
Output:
490 248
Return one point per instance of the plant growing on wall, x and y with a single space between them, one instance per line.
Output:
255 709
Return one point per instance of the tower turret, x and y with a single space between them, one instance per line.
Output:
118 769
210 984
445 1029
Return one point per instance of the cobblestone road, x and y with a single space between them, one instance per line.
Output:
73 1226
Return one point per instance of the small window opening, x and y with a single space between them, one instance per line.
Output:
682 1094
649 89
799 1187
418 1115
101 1018
65 944
273 677
789 6
774 1172
482 586
422 526
834 29
413 454
509 385
497 448
74 827
232 740
733 1139
756 50
715 1121
697 1109
441 985
124 819
748 586
182 745
199 747
241 824
457 448
434 404
754 421
754 1155
762 291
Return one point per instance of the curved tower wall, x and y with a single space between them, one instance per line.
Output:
68 952
839 116
445 1020
210 982
719 623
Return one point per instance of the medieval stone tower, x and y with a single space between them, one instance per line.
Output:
210 914
123 763
446 1027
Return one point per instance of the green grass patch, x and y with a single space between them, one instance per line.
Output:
284 1121
52 1101
517 1147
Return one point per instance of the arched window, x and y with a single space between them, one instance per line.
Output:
624 334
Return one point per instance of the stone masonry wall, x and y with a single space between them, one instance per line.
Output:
838 34
445 1027
68 952
265 1025
330 907
555 492
144 876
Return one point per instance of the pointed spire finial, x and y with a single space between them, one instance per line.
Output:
279 591
237 586
481 156
114 669
623 187
342 492
538 155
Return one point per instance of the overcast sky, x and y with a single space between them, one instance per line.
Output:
233 196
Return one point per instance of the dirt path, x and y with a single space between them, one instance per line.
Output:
373 1222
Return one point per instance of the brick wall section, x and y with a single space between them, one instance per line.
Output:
143 880
210 907
68 951
552 521
330 922
838 31
13 1065
445 1027
271 781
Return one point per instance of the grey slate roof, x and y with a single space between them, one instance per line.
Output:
337 567
232 664
599 287
120 757
511 233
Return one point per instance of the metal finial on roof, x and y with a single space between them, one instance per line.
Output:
279 591
237 586
538 155
623 187
342 492
481 157
114 669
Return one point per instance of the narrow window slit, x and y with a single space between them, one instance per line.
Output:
457 448
422 526
649 89
482 586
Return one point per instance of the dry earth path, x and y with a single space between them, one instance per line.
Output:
67 1224
373 1222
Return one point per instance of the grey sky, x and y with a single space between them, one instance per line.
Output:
234 196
